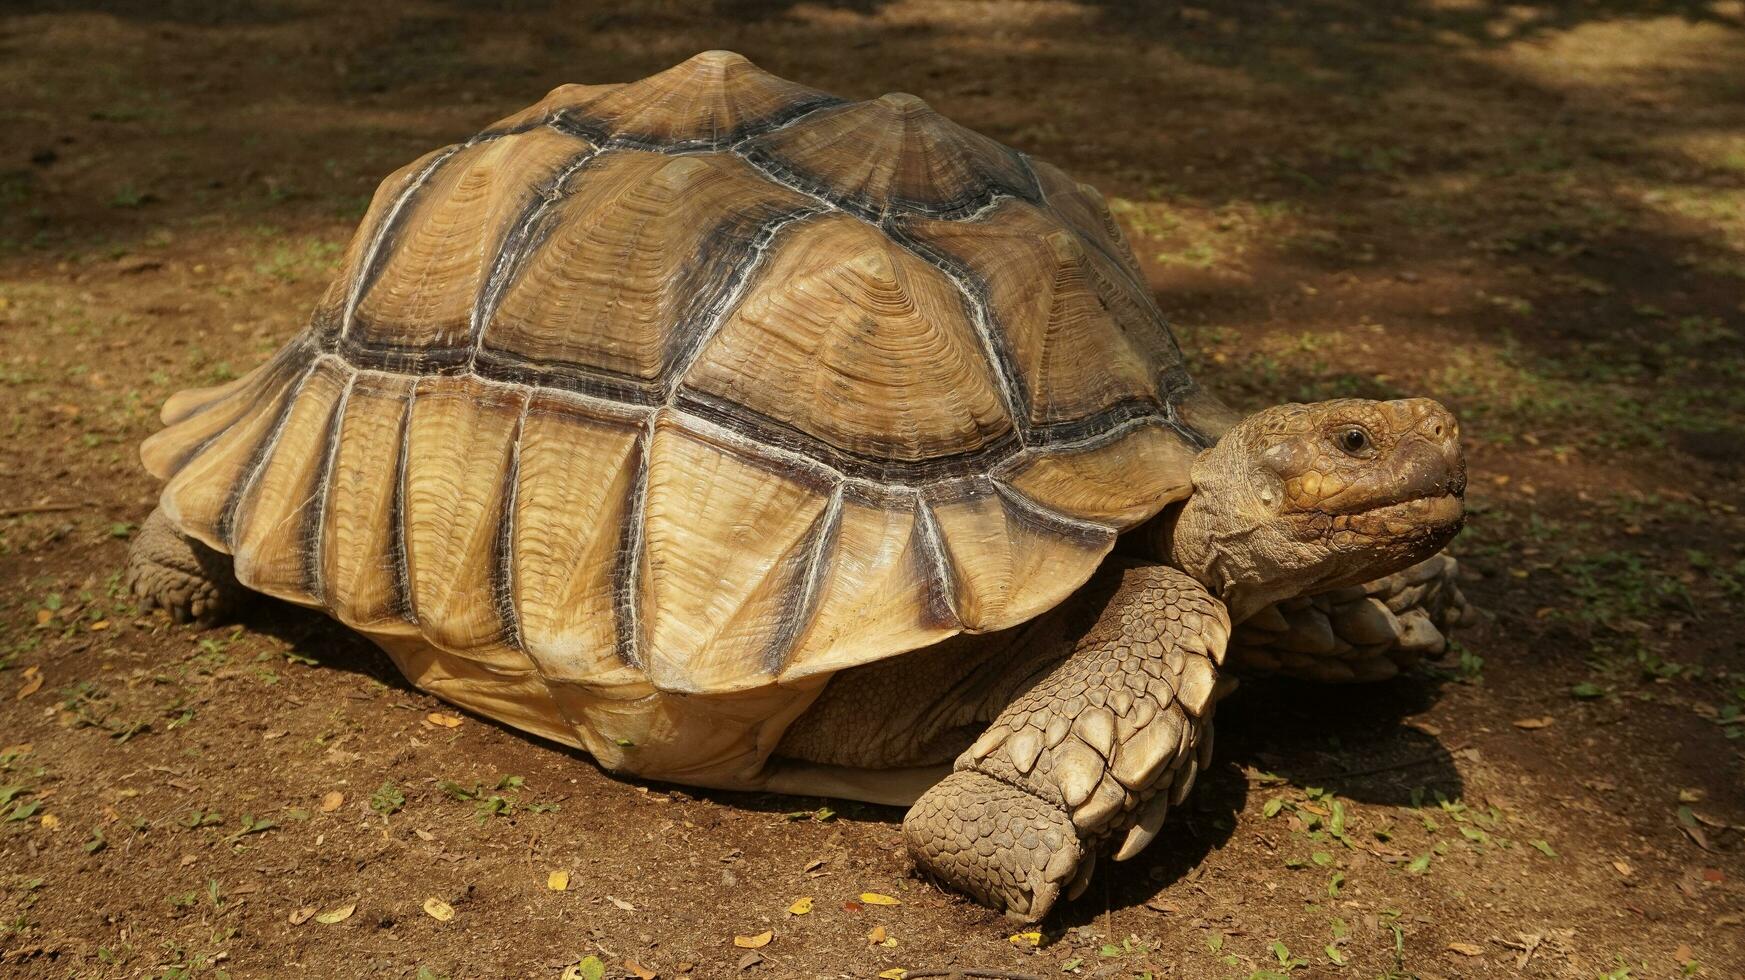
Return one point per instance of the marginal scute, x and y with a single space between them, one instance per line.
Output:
892 154
1205 412
633 262
854 341
189 401
274 532
876 596
728 543
440 249
194 419
361 550
459 448
1009 563
1120 482
214 453
573 494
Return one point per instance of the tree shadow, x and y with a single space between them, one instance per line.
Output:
197 13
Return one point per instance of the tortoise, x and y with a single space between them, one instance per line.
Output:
747 437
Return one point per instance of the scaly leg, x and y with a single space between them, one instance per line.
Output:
1366 632
169 570
1091 754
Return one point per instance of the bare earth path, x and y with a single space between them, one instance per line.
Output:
1535 212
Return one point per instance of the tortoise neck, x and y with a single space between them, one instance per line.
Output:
1186 535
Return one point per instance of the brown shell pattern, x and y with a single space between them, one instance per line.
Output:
702 383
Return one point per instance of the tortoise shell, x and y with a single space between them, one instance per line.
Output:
704 383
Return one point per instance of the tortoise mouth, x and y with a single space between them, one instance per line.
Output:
1418 520
1430 516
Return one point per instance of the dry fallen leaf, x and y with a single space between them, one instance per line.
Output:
1622 867
50 821
1466 949
894 973
336 915
641 971
1531 724
801 906
758 941
302 915
44 616
1025 938
874 898
558 881
877 935
442 719
438 909
32 683
332 801
621 903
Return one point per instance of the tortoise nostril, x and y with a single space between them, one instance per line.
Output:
1436 429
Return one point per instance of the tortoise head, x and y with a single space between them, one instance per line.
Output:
1299 499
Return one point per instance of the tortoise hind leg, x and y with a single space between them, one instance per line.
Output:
167 569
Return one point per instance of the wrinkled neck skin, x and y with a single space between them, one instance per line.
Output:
1213 538
1208 537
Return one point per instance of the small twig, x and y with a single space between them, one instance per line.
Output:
40 509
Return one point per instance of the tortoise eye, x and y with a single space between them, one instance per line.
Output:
1354 440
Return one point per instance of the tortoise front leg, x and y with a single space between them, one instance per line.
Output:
1091 755
1367 632
169 570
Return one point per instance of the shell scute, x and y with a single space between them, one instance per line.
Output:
995 547
709 102
728 542
622 272
890 154
877 595
449 234
362 553
1053 299
209 457
275 530
460 449
575 489
857 344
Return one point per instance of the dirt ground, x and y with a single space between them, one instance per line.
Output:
1535 212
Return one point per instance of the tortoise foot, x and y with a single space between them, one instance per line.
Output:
1088 758
1366 632
170 571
